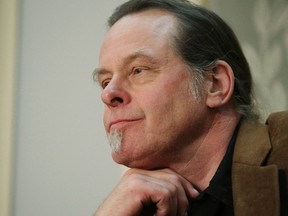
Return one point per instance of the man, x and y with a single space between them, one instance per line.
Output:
179 113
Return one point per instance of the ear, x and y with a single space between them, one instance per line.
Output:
221 85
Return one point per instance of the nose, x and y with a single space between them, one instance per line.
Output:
115 94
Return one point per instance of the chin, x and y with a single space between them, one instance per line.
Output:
145 163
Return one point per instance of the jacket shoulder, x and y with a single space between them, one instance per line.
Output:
278 132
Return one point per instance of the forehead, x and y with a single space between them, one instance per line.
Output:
160 21
144 28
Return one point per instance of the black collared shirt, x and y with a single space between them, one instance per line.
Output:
217 200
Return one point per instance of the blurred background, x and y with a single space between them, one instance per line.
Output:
54 158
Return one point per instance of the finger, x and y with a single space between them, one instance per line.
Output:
167 200
189 188
175 185
173 177
152 191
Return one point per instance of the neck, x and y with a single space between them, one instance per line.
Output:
201 162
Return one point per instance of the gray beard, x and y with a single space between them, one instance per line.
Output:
115 140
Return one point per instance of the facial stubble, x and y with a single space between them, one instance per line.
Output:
115 140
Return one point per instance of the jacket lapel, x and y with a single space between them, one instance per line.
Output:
255 187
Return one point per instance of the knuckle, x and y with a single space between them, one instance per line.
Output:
174 189
165 194
169 191
174 179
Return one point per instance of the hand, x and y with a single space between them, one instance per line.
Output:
159 192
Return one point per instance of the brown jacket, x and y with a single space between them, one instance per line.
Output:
260 157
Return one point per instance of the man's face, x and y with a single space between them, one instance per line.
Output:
146 92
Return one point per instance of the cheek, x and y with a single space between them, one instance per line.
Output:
160 110
164 94
170 108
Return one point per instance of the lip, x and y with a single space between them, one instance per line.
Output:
121 123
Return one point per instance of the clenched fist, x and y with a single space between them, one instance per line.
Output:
141 192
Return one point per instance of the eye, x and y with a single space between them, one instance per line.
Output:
137 70
104 83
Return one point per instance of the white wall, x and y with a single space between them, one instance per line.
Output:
62 161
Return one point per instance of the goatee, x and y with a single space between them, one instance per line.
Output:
115 140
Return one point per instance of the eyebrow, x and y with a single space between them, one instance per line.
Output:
98 72
142 53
